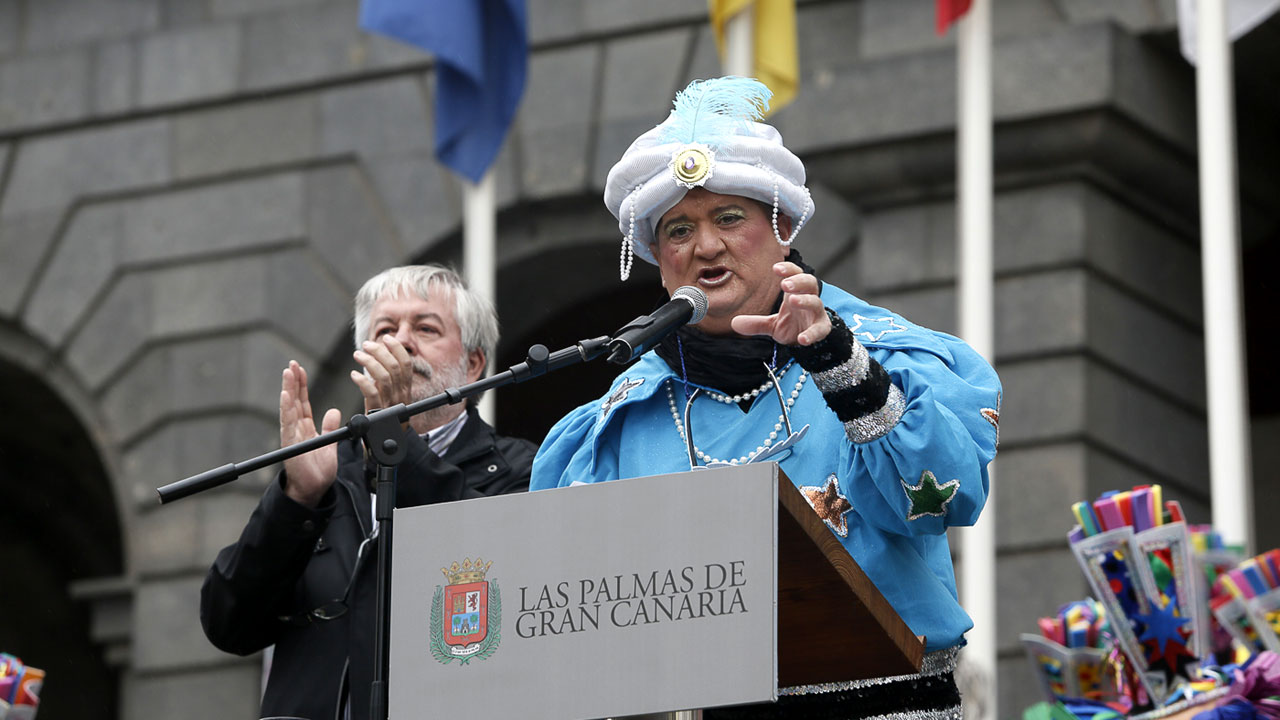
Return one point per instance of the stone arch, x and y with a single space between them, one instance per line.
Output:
63 529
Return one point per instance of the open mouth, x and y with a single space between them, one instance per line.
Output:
713 276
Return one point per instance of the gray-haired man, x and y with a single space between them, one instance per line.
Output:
301 576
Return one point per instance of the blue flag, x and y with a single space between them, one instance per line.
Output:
482 51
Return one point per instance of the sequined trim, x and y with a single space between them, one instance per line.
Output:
877 424
954 712
847 374
934 663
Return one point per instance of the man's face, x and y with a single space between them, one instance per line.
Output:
724 245
429 332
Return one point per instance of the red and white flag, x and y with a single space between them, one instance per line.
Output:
950 11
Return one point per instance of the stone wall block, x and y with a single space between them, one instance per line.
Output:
831 42
167 541
209 296
1024 17
1105 471
1044 399
424 199
551 20
704 60
868 100
242 215
1147 429
1050 313
61 23
887 28
265 355
379 51
80 269
1035 487
932 307
641 76
305 304
506 172
1149 83
555 119
9 28
624 15
1019 687
315 41
113 331
23 240
1053 71
346 227
831 231
243 8
115 82
1051 316
1039 225
207 373
1020 600
52 170
245 136
189 64
905 246
141 395
183 13
1149 260
1266 495
205 694
44 88
400 124
182 448
1147 344
1136 17
166 630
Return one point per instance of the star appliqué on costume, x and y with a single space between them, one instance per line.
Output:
928 498
620 394
875 328
829 504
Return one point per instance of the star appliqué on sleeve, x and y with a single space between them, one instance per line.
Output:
928 497
620 394
829 504
872 329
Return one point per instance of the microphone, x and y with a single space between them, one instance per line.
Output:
688 304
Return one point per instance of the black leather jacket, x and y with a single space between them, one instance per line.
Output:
291 560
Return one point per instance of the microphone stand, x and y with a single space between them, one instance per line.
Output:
379 430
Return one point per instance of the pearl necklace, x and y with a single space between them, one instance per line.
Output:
735 399
761 448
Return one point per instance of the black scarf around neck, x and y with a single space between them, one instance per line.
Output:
732 364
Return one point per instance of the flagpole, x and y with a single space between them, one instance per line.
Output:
976 307
1230 465
479 254
739 48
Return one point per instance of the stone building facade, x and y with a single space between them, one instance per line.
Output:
192 190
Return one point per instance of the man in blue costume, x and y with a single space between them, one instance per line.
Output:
894 424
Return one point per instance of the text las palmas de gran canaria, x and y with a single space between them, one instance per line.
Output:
689 593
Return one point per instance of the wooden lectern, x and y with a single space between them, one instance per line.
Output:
690 590
827 606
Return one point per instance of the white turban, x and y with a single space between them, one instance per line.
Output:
711 139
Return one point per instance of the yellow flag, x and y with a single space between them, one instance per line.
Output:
776 63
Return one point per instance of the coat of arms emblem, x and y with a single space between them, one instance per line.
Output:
466 614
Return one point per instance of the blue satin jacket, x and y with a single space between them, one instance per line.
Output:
902 489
